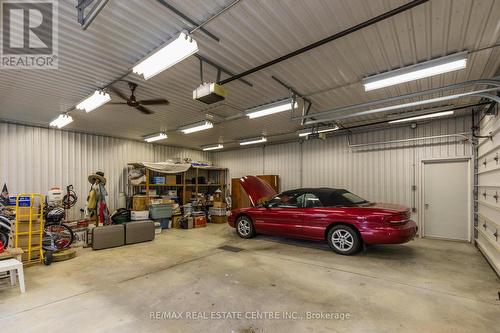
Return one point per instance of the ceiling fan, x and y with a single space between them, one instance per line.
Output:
133 102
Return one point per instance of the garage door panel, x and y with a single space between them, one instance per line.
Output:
489 197
489 179
488 192
489 162
487 222
490 250
486 145
488 211
488 124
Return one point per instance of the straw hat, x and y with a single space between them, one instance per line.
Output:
97 176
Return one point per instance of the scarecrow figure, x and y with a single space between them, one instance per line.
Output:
96 201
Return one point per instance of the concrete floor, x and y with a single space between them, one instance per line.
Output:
422 286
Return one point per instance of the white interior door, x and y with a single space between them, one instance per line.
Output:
446 200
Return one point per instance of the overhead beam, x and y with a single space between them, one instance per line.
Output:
349 128
495 82
220 68
479 93
189 20
85 21
329 39
222 11
305 110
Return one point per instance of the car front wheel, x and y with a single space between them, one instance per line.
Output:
344 240
244 227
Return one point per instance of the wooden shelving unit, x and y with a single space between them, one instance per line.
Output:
215 178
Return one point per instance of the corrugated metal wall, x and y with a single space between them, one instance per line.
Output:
34 159
488 191
383 173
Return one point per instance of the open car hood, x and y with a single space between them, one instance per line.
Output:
257 190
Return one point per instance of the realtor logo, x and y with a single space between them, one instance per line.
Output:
29 34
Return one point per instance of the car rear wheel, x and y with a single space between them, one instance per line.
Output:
344 240
244 227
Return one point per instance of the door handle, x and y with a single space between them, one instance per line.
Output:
426 206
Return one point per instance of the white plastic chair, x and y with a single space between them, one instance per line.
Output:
15 267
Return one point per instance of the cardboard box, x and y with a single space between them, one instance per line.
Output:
35 255
171 180
200 221
140 202
22 241
78 224
219 204
24 213
24 226
167 201
189 195
155 201
218 219
138 215
176 221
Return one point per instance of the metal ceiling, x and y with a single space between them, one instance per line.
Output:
251 33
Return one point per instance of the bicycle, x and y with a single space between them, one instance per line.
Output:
57 236
6 218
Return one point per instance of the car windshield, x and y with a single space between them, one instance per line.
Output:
284 200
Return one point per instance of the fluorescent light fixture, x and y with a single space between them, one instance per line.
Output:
425 116
253 141
309 131
94 101
271 108
197 127
156 137
61 121
219 146
400 106
167 56
419 71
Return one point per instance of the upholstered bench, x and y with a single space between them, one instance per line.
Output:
139 231
108 236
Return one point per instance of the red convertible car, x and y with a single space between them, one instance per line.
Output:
342 218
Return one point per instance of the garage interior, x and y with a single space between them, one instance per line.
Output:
138 136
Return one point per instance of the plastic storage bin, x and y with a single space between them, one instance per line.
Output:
163 211
159 180
165 223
